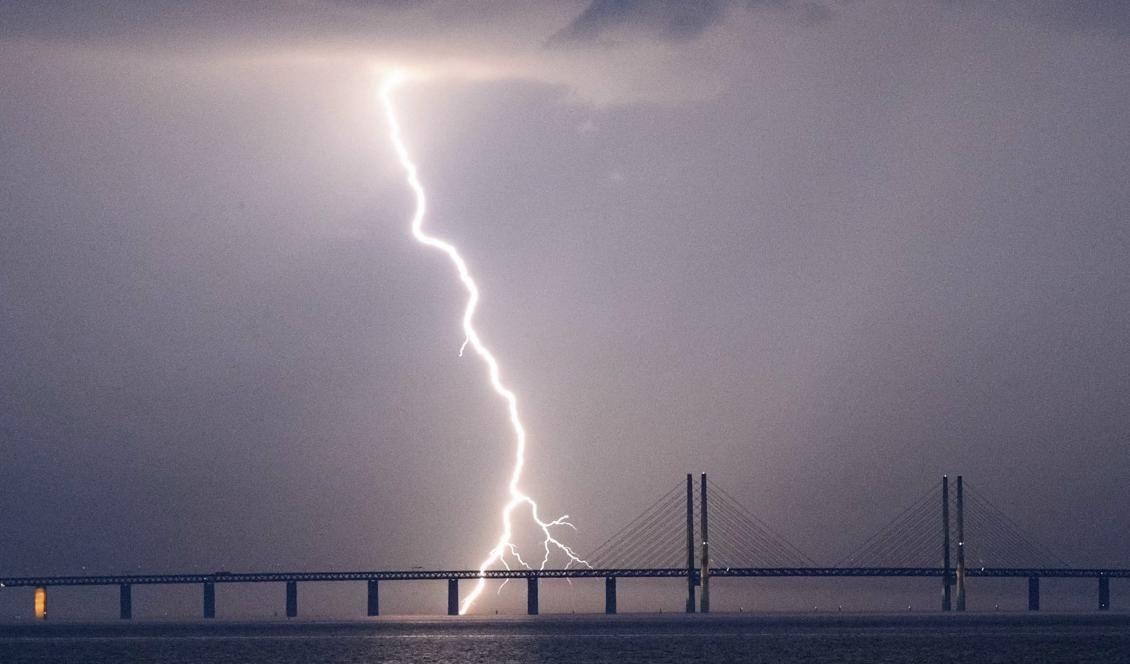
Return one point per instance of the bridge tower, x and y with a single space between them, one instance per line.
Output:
690 544
960 547
705 607
946 604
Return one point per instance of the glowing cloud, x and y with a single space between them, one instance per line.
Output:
517 498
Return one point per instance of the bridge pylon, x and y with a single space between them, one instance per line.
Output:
946 603
690 544
960 546
705 561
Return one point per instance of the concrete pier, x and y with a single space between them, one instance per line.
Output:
453 597
532 596
610 595
291 599
125 602
1104 593
373 607
209 600
1033 593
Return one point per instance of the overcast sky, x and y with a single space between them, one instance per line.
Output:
823 251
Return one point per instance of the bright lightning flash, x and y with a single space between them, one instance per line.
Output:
517 498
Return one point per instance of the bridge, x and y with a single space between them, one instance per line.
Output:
666 541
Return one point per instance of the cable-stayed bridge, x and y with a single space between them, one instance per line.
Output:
696 532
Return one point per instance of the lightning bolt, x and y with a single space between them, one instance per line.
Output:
516 497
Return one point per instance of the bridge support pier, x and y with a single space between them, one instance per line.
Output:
125 602
41 602
453 597
1104 593
209 599
610 595
531 595
1033 593
374 599
291 599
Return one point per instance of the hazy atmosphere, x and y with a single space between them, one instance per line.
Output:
825 252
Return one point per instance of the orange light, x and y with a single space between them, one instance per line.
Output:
41 603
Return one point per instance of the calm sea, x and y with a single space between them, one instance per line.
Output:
621 639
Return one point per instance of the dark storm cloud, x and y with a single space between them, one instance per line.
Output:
673 19
109 20
1102 16
174 26
670 19
807 12
501 39
1087 15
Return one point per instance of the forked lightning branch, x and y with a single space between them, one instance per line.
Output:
504 550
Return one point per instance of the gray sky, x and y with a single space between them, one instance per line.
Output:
824 251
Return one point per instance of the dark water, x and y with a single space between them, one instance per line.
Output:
621 639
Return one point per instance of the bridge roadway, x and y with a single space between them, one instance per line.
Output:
570 573
373 578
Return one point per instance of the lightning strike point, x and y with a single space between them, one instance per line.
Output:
517 498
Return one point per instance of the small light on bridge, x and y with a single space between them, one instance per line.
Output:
40 603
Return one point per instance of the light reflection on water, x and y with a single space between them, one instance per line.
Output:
620 639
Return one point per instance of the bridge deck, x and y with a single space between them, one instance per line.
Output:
574 573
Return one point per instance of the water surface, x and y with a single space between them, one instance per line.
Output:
879 639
